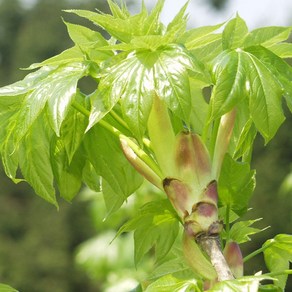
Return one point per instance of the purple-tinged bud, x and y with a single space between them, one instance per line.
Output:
203 215
180 196
233 256
210 193
193 160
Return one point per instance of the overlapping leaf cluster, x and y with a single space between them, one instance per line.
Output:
54 134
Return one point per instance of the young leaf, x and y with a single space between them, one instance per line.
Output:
133 80
172 79
264 96
248 283
234 33
281 70
278 255
104 153
156 224
170 283
34 160
72 130
240 231
55 86
6 288
83 36
283 50
267 36
236 184
229 71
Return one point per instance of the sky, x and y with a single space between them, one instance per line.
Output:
255 12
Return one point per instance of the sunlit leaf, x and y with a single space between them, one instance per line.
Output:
265 96
278 256
170 283
240 231
234 33
7 288
132 81
283 50
267 36
248 283
230 87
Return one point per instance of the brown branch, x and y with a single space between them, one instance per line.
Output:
211 245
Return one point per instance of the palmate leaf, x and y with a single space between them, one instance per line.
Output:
278 255
133 80
54 86
250 77
155 225
123 26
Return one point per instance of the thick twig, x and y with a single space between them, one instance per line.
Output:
211 245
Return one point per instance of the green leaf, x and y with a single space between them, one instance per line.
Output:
178 25
170 283
73 129
248 283
281 70
176 265
83 36
283 50
236 184
71 55
132 81
240 231
104 153
267 36
171 79
229 71
118 12
197 37
278 255
234 33
265 96
122 26
55 86
6 288
67 174
90 177
156 224
34 160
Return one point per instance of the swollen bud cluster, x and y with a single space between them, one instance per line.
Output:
183 168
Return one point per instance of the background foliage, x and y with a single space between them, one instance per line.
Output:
39 244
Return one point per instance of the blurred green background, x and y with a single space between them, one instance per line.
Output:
42 249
